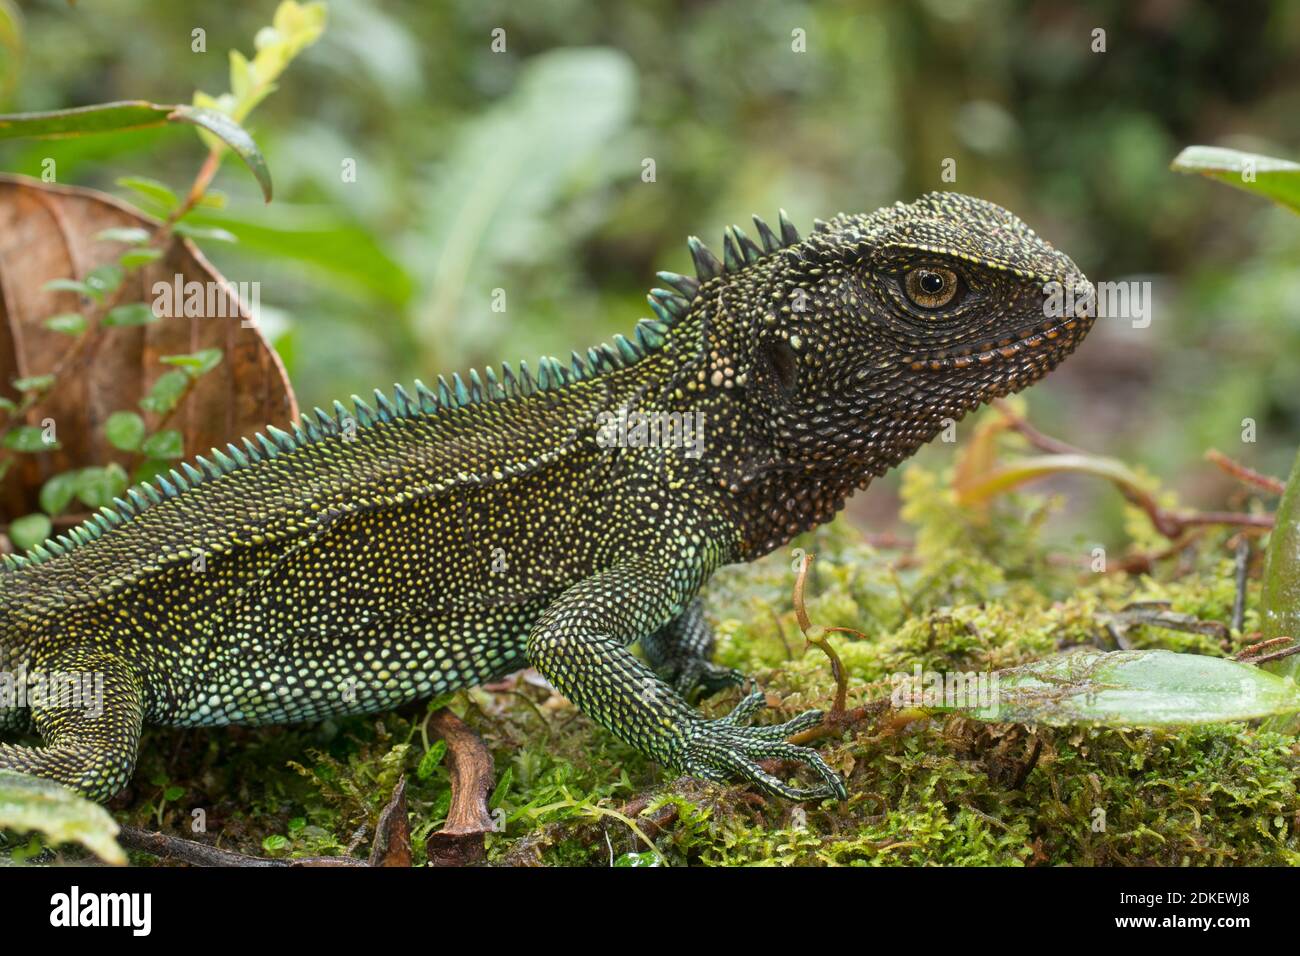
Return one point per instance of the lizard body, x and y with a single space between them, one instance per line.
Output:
376 556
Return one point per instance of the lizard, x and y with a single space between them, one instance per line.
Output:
386 553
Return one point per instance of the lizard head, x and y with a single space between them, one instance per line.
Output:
854 345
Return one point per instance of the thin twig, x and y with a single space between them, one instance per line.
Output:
1171 524
1249 476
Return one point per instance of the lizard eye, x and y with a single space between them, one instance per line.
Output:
931 287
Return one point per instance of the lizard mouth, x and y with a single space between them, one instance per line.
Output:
1053 338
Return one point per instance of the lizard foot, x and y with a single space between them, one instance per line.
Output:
703 678
727 747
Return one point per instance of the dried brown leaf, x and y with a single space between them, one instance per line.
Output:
48 232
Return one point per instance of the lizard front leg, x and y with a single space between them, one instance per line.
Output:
91 729
680 653
581 645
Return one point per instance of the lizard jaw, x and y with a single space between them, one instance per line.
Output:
1059 335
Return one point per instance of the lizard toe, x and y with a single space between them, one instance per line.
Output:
723 749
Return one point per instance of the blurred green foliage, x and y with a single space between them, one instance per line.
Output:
522 171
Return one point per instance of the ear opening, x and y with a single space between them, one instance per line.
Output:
785 363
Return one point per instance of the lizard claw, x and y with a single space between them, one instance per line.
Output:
727 747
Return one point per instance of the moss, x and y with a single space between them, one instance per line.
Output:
979 590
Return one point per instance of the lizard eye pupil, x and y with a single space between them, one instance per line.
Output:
931 287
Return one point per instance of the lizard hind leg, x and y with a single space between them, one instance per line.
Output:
88 708
679 652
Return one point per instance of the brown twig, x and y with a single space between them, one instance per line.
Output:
198 189
1255 653
1249 476
1171 524
461 841
392 846
818 638
201 854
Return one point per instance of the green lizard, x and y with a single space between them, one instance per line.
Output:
380 555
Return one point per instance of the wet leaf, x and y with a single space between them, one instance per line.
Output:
233 135
1119 689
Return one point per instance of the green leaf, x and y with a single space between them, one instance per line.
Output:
104 280
34 383
431 759
84 120
275 843
214 199
133 235
1003 478
139 114
645 858
33 804
343 252
29 531
132 313
233 135
510 168
150 469
151 189
138 257
69 323
172 794
164 444
28 438
196 363
71 285
204 232
166 392
241 80
502 788
1122 689
124 430
1276 179
57 493
97 487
